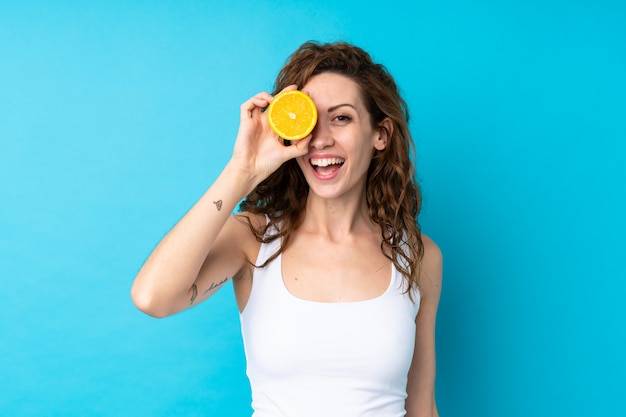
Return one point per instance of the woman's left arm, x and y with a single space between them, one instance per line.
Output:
420 401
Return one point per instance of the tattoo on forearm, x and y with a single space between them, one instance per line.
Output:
215 286
218 204
194 293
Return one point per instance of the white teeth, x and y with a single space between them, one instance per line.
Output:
324 162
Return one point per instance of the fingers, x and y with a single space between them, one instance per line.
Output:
259 101
299 147
289 87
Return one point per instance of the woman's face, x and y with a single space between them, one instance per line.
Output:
343 140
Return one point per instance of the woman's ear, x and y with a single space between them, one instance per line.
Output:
385 131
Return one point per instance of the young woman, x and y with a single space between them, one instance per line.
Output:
336 286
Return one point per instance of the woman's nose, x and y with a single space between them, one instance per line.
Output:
321 137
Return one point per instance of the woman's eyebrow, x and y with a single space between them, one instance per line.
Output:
333 108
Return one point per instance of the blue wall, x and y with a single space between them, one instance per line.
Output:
115 116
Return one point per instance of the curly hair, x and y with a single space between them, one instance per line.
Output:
392 193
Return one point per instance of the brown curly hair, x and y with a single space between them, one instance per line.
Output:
392 192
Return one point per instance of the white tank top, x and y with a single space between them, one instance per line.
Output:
317 359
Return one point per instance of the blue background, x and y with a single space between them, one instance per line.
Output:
116 116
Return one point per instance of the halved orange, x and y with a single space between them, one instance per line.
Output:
292 115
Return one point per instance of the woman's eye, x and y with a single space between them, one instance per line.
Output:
343 118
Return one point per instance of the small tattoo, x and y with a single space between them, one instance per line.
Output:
194 293
215 286
218 204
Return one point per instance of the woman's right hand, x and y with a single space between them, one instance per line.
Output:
258 150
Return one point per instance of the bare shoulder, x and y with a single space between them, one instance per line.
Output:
432 253
242 225
432 265
242 281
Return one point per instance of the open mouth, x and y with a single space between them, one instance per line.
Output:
326 166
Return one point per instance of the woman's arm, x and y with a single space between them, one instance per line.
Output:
208 246
420 401
171 279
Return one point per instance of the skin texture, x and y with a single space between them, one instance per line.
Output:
208 246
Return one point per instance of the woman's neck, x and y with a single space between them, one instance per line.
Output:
337 218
